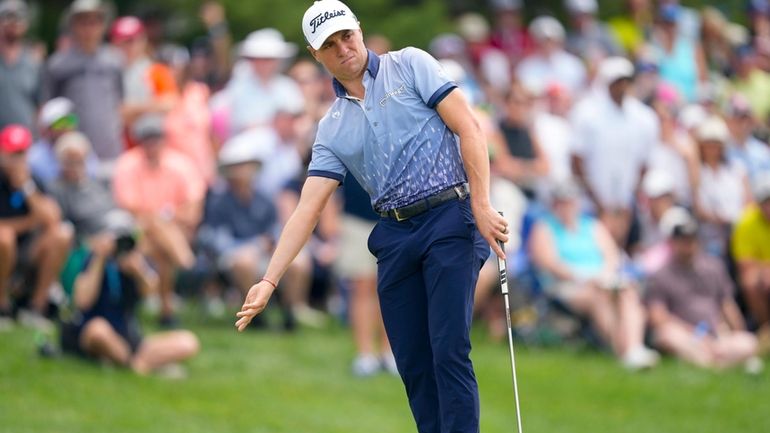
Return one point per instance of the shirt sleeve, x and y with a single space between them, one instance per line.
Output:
430 80
325 163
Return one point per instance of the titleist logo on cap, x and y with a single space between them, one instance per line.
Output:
322 18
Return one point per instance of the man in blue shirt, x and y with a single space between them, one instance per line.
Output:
393 128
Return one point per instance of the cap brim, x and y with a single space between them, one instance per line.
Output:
324 35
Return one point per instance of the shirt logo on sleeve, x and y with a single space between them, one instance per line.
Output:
391 94
336 115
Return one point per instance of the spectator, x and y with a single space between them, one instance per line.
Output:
590 39
632 27
758 18
581 268
509 33
188 124
285 161
550 63
358 268
553 131
164 191
658 189
523 160
316 89
31 231
675 151
744 147
106 293
613 135
84 201
256 92
20 67
239 222
491 63
148 86
680 57
218 43
723 189
692 311
752 82
751 251
96 85
57 118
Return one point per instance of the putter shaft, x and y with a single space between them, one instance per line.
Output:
503 269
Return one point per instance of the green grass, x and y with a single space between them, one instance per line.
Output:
262 382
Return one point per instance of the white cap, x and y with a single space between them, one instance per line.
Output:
72 140
677 220
692 115
713 129
453 70
267 44
546 27
325 18
657 183
473 27
613 69
254 145
582 6
54 110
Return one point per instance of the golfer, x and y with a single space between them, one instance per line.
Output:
395 126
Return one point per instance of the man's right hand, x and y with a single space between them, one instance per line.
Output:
256 301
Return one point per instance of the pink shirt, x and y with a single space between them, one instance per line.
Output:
141 188
188 129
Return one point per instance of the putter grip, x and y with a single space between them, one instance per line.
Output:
502 268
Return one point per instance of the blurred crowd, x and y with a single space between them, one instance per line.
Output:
629 154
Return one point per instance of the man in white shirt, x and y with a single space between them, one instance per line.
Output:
613 133
550 63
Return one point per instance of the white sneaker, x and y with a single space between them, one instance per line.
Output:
309 317
171 372
389 363
35 320
640 358
214 306
365 365
754 366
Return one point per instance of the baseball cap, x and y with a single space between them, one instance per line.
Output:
582 6
761 188
14 139
267 44
713 128
58 111
761 7
125 28
615 68
677 222
447 45
565 190
254 145
14 8
72 140
86 6
657 183
506 5
473 27
546 27
670 12
148 126
324 18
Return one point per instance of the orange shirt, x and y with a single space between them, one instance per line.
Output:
140 188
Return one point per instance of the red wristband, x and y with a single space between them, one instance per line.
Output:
275 286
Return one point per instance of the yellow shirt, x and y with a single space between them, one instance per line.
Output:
751 239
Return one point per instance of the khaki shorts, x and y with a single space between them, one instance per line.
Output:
354 259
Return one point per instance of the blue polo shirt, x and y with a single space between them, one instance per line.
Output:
393 141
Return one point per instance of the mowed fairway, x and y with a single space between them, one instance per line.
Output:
262 382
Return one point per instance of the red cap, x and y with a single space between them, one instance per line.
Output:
15 138
125 28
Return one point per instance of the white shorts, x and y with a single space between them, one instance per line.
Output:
354 259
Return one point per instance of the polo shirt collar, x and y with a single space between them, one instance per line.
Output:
373 67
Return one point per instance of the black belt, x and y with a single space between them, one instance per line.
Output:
420 206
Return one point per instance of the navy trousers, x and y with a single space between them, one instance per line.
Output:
427 271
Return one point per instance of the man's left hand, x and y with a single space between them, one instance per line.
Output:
492 226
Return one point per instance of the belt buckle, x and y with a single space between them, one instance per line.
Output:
398 216
461 191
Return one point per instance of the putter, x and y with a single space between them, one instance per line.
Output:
502 267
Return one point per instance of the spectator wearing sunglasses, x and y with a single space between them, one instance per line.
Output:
57 118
